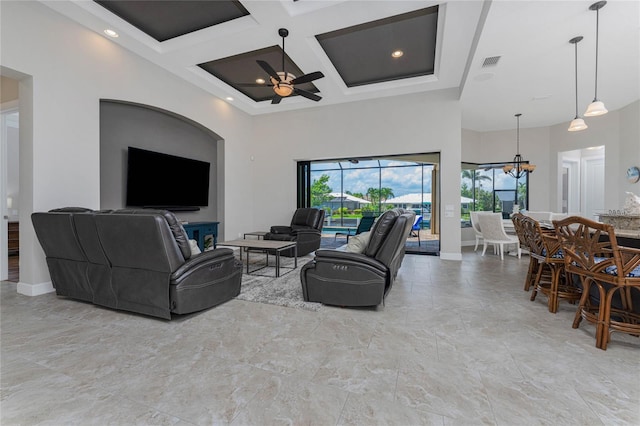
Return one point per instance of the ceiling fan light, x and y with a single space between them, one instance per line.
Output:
595 109
577 124
283 89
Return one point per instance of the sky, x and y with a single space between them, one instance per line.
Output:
402 180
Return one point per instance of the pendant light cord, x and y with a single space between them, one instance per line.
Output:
576 55
518 136
595 98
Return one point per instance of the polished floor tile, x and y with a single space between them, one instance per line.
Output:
456 343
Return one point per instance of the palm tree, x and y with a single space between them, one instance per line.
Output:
386 193
475 176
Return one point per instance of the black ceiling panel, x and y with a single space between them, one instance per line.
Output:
362 54
241 72
167 19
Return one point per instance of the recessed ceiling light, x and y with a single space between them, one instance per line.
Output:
397 53
111 33
229 98
260 80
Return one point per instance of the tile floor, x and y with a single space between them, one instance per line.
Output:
457 343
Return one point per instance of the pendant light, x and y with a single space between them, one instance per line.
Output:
596 107
578 123
519 167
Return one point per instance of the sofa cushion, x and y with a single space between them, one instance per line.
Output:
358 243
70 210
379 232
178 231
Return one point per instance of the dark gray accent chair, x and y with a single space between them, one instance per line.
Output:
305 229
134 260
336 277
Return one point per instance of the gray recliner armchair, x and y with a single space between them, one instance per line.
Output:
343 278
305 229
134 260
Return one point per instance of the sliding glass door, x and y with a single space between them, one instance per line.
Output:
352 188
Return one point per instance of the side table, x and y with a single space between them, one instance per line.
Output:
259 234
200 230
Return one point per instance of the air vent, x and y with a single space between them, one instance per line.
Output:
491 61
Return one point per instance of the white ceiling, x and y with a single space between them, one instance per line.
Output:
535 75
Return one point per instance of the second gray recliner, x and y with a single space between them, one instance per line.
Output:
342 278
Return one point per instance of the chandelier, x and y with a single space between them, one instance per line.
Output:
519 167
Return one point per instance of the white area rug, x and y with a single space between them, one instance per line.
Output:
285 290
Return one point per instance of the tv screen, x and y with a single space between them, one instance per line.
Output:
166 181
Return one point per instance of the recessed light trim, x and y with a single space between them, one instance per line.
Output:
229 98
111 33
260 80
397 53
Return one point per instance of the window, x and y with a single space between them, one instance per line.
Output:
485 187
348 189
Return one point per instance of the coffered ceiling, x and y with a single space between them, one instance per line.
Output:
501 57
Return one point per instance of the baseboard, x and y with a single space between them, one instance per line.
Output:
35 289
450 256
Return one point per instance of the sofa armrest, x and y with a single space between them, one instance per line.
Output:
349 257
306 231
203 258
281 230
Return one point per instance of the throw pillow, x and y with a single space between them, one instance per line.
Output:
193 244
358 243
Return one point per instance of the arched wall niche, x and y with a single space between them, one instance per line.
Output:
124 124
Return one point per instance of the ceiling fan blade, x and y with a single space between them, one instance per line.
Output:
307 78
254 85
307 95
267 68
276 99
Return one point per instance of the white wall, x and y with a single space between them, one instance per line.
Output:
500 146
426 122
66 69
619 132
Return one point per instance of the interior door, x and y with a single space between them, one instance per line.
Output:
593 186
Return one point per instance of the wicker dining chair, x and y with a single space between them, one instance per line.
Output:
550 278
609 275
518 226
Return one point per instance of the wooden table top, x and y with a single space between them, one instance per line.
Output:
258 244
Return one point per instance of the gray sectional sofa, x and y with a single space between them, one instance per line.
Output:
133 260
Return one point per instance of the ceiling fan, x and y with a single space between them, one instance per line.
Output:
284 83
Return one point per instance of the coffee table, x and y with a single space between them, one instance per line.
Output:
265 246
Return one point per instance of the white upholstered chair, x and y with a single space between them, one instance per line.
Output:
476 226
493 233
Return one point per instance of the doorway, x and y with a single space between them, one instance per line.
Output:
9 187
350 189
581 181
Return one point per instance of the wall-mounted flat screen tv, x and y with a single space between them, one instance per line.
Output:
157 180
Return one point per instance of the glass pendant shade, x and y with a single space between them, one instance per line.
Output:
577 124
595 109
